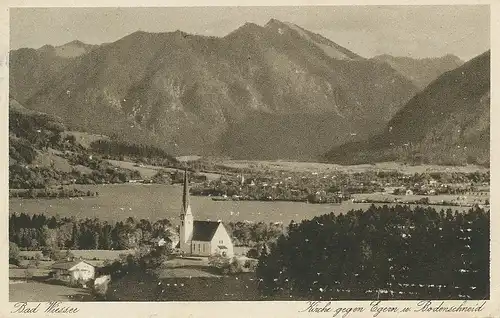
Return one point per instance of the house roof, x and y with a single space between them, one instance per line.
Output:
204 230
67 264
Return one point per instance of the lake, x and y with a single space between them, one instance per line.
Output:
154 201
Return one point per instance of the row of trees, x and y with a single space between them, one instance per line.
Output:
141 152
39 232
384 252
52 193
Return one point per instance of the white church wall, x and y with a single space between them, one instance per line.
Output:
200 248
221 238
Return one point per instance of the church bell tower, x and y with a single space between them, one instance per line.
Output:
186 228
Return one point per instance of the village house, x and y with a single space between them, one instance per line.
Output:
72 271
201 238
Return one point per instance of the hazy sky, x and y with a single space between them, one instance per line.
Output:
417 31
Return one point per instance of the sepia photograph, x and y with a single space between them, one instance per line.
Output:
286 153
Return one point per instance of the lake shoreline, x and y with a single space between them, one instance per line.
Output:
117 202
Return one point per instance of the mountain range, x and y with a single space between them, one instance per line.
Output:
276 91
447 123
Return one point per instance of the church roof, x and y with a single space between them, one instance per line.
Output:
204 230
65 264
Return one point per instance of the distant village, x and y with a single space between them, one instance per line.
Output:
314 187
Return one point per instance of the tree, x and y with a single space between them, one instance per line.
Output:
157 257
28 273
235 267
50 252
75 236
36 260
219 262
13 253
253 253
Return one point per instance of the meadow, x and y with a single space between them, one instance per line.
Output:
33 291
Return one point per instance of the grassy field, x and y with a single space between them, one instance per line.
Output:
20 273
146 171
33 291
324 167
51 158
188 158
185 267
188 271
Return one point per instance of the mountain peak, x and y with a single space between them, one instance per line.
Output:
248 27
251 25
283 25
274 21
77 43
453 57
73 49
46 47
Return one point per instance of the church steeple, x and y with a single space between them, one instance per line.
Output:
186 228
185 194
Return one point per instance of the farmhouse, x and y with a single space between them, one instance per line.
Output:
201 238
73 271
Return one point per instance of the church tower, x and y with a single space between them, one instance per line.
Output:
186 228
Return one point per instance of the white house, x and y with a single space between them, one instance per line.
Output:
201 238
73 271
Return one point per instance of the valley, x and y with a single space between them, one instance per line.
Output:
265 162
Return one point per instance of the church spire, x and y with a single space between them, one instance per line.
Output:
186 228
185 193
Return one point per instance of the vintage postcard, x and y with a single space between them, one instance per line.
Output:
279 159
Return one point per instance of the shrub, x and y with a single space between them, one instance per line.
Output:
13 254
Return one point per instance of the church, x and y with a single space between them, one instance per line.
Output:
201 238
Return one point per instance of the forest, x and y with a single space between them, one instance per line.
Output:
113 149
381 253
